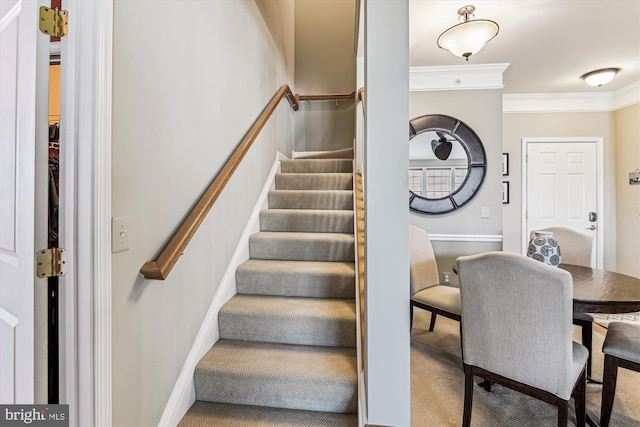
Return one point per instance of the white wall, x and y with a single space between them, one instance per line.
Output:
627 154
325 64
189 79
387 340
481 110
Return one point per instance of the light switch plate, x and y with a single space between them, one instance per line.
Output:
120 234
484 212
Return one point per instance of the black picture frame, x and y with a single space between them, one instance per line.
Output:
505 192
505 164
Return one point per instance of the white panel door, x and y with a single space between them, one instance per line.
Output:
18 31
562 187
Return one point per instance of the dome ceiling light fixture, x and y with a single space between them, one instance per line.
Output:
600 77
469 36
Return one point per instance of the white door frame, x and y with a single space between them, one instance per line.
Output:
85 212
599 189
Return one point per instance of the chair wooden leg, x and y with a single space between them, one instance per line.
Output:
579 396
610 377
486 384
411 318
432 324
468 396
563 413
587 339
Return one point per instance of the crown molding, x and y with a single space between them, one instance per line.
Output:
454 77
572 102
489 76
626 96
556 102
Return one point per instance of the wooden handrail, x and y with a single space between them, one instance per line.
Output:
325 97
160 268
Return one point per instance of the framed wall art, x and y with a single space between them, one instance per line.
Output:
505 192
505 164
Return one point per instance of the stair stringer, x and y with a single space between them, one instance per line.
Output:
183 395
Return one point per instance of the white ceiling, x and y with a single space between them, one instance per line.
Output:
549 44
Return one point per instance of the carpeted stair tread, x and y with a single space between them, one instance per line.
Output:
314 181
311 199
287 349
207 414
307 220
317 166
302 246
344 153
296 278
279 375
289 320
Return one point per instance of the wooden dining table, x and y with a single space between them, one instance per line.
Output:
602 291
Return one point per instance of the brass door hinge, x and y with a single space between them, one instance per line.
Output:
53 22
50 262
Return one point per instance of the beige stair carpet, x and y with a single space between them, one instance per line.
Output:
287 349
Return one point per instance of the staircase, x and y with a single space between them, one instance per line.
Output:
286 354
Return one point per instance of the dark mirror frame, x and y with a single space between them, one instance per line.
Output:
477 163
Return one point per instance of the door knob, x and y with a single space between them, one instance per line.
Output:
593 227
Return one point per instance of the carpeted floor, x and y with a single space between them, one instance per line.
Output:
437 387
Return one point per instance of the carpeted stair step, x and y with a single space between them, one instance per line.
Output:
296 278
317 166
307 220
311 199
286 354
289 320
279 375
206 414
345 153
301 246
314 181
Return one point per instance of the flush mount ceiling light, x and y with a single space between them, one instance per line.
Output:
599 77
469 36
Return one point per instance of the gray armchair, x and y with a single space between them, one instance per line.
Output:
576 248
426 292
516 331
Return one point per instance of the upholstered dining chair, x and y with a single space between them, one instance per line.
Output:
426 291
516 331
576 248
621 349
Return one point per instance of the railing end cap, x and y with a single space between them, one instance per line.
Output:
151 270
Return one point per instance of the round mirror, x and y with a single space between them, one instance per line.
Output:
447 164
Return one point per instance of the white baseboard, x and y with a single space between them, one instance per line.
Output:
478 238
183 394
